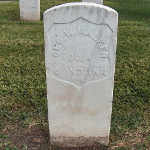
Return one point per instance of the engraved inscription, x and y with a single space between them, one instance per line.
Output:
83 71
86 31
79 57
80 52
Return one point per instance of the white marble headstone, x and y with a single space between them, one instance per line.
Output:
94 1
80 52
29 10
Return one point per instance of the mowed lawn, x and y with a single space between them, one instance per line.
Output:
23 102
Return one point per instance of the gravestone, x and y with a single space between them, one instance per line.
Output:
29 10
80 52
94 1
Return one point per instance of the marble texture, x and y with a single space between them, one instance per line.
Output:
80 52
29 10
94 1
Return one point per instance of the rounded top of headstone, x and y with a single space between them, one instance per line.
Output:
83 4
92 12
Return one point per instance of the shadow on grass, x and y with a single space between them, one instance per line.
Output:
33 138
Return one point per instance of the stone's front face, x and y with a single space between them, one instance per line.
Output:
94 1
80 52
29 10
80 49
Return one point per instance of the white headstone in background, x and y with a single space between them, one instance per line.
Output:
80 52
29 10
94 1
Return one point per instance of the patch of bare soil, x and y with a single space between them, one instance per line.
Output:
32 139
35 138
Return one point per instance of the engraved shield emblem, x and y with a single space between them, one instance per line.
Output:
80 52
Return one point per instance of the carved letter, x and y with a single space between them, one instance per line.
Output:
104 54
81 30
59 40
78 57
56 47
96 71
104 48
80 71
56 53
89 33
95 36
67 71
72 71
69 33
103 71
57 71
70 57
100 43
88 57
90 72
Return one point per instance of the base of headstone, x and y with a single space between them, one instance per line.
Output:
79 148
78 142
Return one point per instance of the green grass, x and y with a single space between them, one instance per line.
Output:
23 100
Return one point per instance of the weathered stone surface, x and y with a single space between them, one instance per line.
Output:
94 1
29 10
80 52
